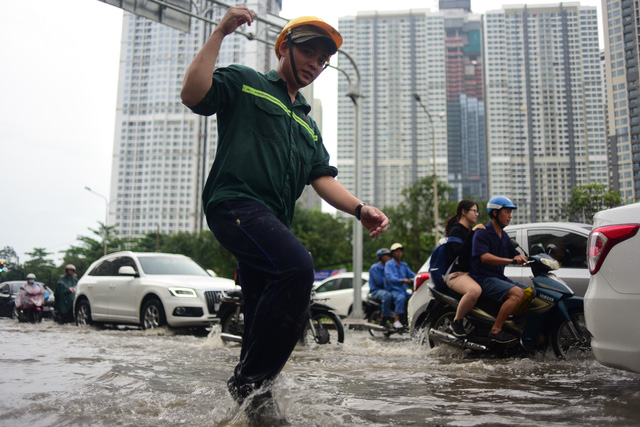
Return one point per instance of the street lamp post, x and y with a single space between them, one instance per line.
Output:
355 94
436 219
106 215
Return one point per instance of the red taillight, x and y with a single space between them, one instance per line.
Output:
420 279
603 239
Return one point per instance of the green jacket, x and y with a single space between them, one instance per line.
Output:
64 295
268 149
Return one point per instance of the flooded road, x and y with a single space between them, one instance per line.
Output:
54 375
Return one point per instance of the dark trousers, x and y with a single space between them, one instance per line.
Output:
276 275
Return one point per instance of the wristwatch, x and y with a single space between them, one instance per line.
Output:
359 209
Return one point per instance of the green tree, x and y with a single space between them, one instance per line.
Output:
41 265
587 200
80 257
92 248
327 237
202 247
150 242
412 223
12 269
9 256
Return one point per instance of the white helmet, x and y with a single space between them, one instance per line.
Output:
31 276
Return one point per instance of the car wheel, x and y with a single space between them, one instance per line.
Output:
565 345
152 315
15 313
83 313
442 323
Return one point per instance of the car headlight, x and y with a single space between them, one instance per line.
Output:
183 292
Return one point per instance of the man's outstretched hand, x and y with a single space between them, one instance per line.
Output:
374 220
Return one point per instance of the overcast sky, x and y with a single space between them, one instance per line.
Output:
58 83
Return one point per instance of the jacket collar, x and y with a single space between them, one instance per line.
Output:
274 77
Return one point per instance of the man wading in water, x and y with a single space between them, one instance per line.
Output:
268 150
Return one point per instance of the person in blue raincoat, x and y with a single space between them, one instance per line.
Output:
397 276
376 283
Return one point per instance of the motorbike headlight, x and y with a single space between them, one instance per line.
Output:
551 264
183 292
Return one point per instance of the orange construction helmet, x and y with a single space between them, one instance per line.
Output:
331 33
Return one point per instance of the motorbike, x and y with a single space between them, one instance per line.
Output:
550 315
231 314
373 315
28 306
323 327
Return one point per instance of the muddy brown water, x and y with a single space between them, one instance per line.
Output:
53 375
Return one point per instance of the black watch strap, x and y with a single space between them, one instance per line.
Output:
359 209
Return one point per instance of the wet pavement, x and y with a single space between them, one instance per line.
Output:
55 375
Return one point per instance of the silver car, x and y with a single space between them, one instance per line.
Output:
570 239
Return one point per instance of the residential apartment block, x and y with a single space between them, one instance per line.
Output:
621 59
438 56
545 125
466 139
398 54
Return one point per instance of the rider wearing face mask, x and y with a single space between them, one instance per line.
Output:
31 293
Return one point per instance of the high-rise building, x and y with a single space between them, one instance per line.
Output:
438 56
622 57
467 160
309 199
398 54
543 93
162 151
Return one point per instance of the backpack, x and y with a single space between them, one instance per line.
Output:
438 267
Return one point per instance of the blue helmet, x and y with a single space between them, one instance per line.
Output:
498 203
383 251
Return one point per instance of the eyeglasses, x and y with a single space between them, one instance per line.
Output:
321 60
475 211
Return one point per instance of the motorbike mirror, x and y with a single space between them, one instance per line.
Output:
551 249
514 243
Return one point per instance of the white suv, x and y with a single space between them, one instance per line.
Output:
612 299
150 290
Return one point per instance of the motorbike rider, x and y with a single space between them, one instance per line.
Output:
459 257
65 294
397 275
376 284
30 294
491 252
